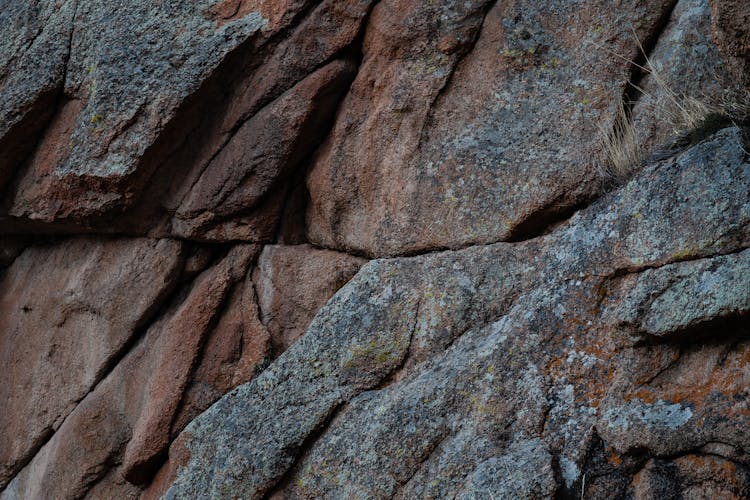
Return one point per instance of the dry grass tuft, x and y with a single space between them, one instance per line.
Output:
622 147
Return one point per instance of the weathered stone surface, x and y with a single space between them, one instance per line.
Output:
125 82
683 298
533 476
126 420
293 283
729 22
238 345
529 328
692 476
689 74
465 131
258 158
133 95
528 351
10 248
67 312
32 35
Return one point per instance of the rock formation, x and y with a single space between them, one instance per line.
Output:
369 249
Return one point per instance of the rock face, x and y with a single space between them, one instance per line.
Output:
59 338
365 249
293 283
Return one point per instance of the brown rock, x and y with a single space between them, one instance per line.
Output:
178 457
142 112
255 163
568 347
179 343
692 476
127 418
689 73
10 248
730 23
131 81
67 311
236 349
237 346
293 283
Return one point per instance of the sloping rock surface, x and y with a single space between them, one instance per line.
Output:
367 249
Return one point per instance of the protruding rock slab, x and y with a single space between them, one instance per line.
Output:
128 81
476 128
123 426
131 117
35 45
240 194
690 78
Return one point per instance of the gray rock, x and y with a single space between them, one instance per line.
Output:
677 298
472 130
32 35
422 369
524 472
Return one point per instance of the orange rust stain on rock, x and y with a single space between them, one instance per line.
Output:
645 394
614 458
718 469
726 383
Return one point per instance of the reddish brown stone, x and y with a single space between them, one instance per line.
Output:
127 418
178 457
256 162
730 24
692 476
237 345
179 343
607 357
293 283
66 313
488 142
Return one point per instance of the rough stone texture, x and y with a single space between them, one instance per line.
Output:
125 83
190 191
730 21
543 359
533 477
67 311
238 345
10 248
293 283
126 419
692 477
688 72
32 35
128 99
467 131
263 151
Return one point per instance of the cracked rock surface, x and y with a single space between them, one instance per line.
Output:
365 249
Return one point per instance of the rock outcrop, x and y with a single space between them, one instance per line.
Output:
368 249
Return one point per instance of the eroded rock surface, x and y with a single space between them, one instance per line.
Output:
366 249
293 283
548 358
69 311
